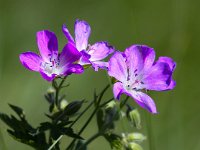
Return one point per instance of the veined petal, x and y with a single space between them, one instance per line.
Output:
82 33
73 68
100 50
84 60
118 90
48 77
30 61
172 66
47 44
67 34
100 64
144 101
69 54
139 57
169 61
158 77
117 67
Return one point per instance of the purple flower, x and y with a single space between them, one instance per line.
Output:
51 64
136 72
90 54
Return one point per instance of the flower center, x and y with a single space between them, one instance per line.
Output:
134 81
51 67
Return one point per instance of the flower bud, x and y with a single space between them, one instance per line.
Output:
110 104
134 117
134 146
51 90
63 104
135 137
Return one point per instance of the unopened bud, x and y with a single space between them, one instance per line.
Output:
63 104
134 146
135 137
134 117
110 104
51 90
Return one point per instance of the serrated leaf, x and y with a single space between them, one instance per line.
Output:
69 132
19 111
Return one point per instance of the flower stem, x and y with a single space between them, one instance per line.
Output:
60 137
90 140
72 124
91 116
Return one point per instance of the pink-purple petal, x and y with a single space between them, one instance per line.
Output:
158 77
30 61
82 33
69 54
118 90
48 77
100 65
100 50
73 68
139 58
67 34
117 67
144 101
47 44
169 61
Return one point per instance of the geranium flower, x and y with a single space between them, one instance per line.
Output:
137 72
52 64
90 54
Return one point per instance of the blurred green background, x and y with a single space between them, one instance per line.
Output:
172 27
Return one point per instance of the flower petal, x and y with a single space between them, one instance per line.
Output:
158 77
169 61
69 55
47 44
118 90
67 34
144 101
117 67
172 66
100 64
84 60
73 68
82 33
48 77
30 61
139 58
100 50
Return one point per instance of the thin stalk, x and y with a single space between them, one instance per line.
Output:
52 146
72 124
58 90
91 116
102 105
90 140
123 103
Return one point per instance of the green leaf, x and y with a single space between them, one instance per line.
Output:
19 111
69 132
73 107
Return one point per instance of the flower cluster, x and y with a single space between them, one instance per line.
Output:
135 69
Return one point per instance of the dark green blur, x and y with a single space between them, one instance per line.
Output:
172 27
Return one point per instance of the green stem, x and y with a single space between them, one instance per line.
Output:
72 124
52 146
102 105
124 102
58 90
90 140
91 116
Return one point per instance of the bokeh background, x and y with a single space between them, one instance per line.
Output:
172 27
